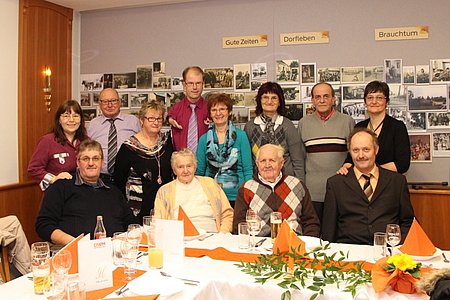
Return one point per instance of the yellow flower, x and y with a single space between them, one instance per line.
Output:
402 262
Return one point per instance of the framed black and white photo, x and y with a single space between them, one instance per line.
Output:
294 111
441 144
352 74
309 108
287 71
353 92
237 98
242 77
91 82
89 114
409 74
440 70
124 100
177 83
308 73
159 68
399 113
306 93
137 99
107 80
420 147
218 78
124 81
355 109
85 100
438 120
162 83
259 71
397 95
255 84
427 97
373 73
291 93
144 77
423 74
330 75
416 121
240 115
250 99
393 71
157 96
172 98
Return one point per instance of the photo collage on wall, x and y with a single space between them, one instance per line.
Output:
419 94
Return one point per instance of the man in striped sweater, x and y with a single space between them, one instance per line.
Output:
324 139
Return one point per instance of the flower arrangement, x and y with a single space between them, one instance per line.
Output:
399 271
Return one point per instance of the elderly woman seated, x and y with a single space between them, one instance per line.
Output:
201 198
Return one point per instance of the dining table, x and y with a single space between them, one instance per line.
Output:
209 271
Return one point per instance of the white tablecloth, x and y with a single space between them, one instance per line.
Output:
223 280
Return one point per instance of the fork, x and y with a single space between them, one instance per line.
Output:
445 258
122 290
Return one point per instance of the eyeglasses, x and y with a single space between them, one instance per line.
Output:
67 116
153 119
375 99
325 97
218 110
109 101
191 84
269 98
87 159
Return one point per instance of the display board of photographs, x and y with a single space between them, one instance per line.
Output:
419 94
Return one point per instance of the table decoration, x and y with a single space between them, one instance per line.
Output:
295 269
399 271
417 242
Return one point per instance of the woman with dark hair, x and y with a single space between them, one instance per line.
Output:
55 156
394 148
270 127
223 152
143 161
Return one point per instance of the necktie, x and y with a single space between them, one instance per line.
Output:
112 146
192 139
368 190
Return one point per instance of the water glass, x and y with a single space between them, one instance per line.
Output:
379 245
117 240
56 288
134 233
76 290
129 254
40 261
243 236
149 230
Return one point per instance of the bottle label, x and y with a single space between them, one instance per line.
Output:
100 235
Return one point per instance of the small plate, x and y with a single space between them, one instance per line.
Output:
436 253
153 283
201 232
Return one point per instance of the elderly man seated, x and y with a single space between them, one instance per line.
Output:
366 199
201 198
270 191
70 207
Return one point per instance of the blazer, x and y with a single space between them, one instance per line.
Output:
349 216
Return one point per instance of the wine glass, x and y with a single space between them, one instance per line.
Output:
62 261
254 226
129 252
393 235
134 234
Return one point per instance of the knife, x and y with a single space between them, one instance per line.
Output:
259 243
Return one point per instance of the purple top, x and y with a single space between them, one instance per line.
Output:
126 126
51 158
181 112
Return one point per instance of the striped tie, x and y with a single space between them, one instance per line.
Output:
112 146
192 139
368 190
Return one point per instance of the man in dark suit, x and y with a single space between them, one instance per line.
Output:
366 199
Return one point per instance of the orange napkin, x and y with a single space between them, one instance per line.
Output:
400 281
189 228
287 239
417 242
72 247
150 297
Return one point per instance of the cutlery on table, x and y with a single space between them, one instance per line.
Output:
205 237
122 290
260 242
186 281
445 258
141 253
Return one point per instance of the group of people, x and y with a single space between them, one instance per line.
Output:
123 167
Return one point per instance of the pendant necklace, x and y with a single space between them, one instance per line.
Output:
158 159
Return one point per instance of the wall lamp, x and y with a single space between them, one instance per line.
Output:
47 88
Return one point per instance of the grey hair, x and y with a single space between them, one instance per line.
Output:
278 148
183 152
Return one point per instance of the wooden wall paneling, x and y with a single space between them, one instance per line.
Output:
45 39
432 210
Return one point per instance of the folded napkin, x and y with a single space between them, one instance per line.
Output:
189 228
221 253
417 242
286 240
402 282
72 247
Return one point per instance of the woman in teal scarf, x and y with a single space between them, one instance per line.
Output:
223 152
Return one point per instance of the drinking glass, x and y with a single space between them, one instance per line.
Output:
155 258
55 288
149 229
62 261
134 234
379 245
243 237
393 235
275 224
254 226
117 240
129 254
76 290
40 261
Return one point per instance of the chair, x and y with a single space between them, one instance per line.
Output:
4 270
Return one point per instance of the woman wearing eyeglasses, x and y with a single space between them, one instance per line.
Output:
271 127
223 152
143 161
394 151
55 155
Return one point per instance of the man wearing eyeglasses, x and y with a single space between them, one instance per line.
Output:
189 117
102 129
324 141
70 207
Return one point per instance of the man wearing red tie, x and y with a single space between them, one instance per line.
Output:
366 199
189 117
